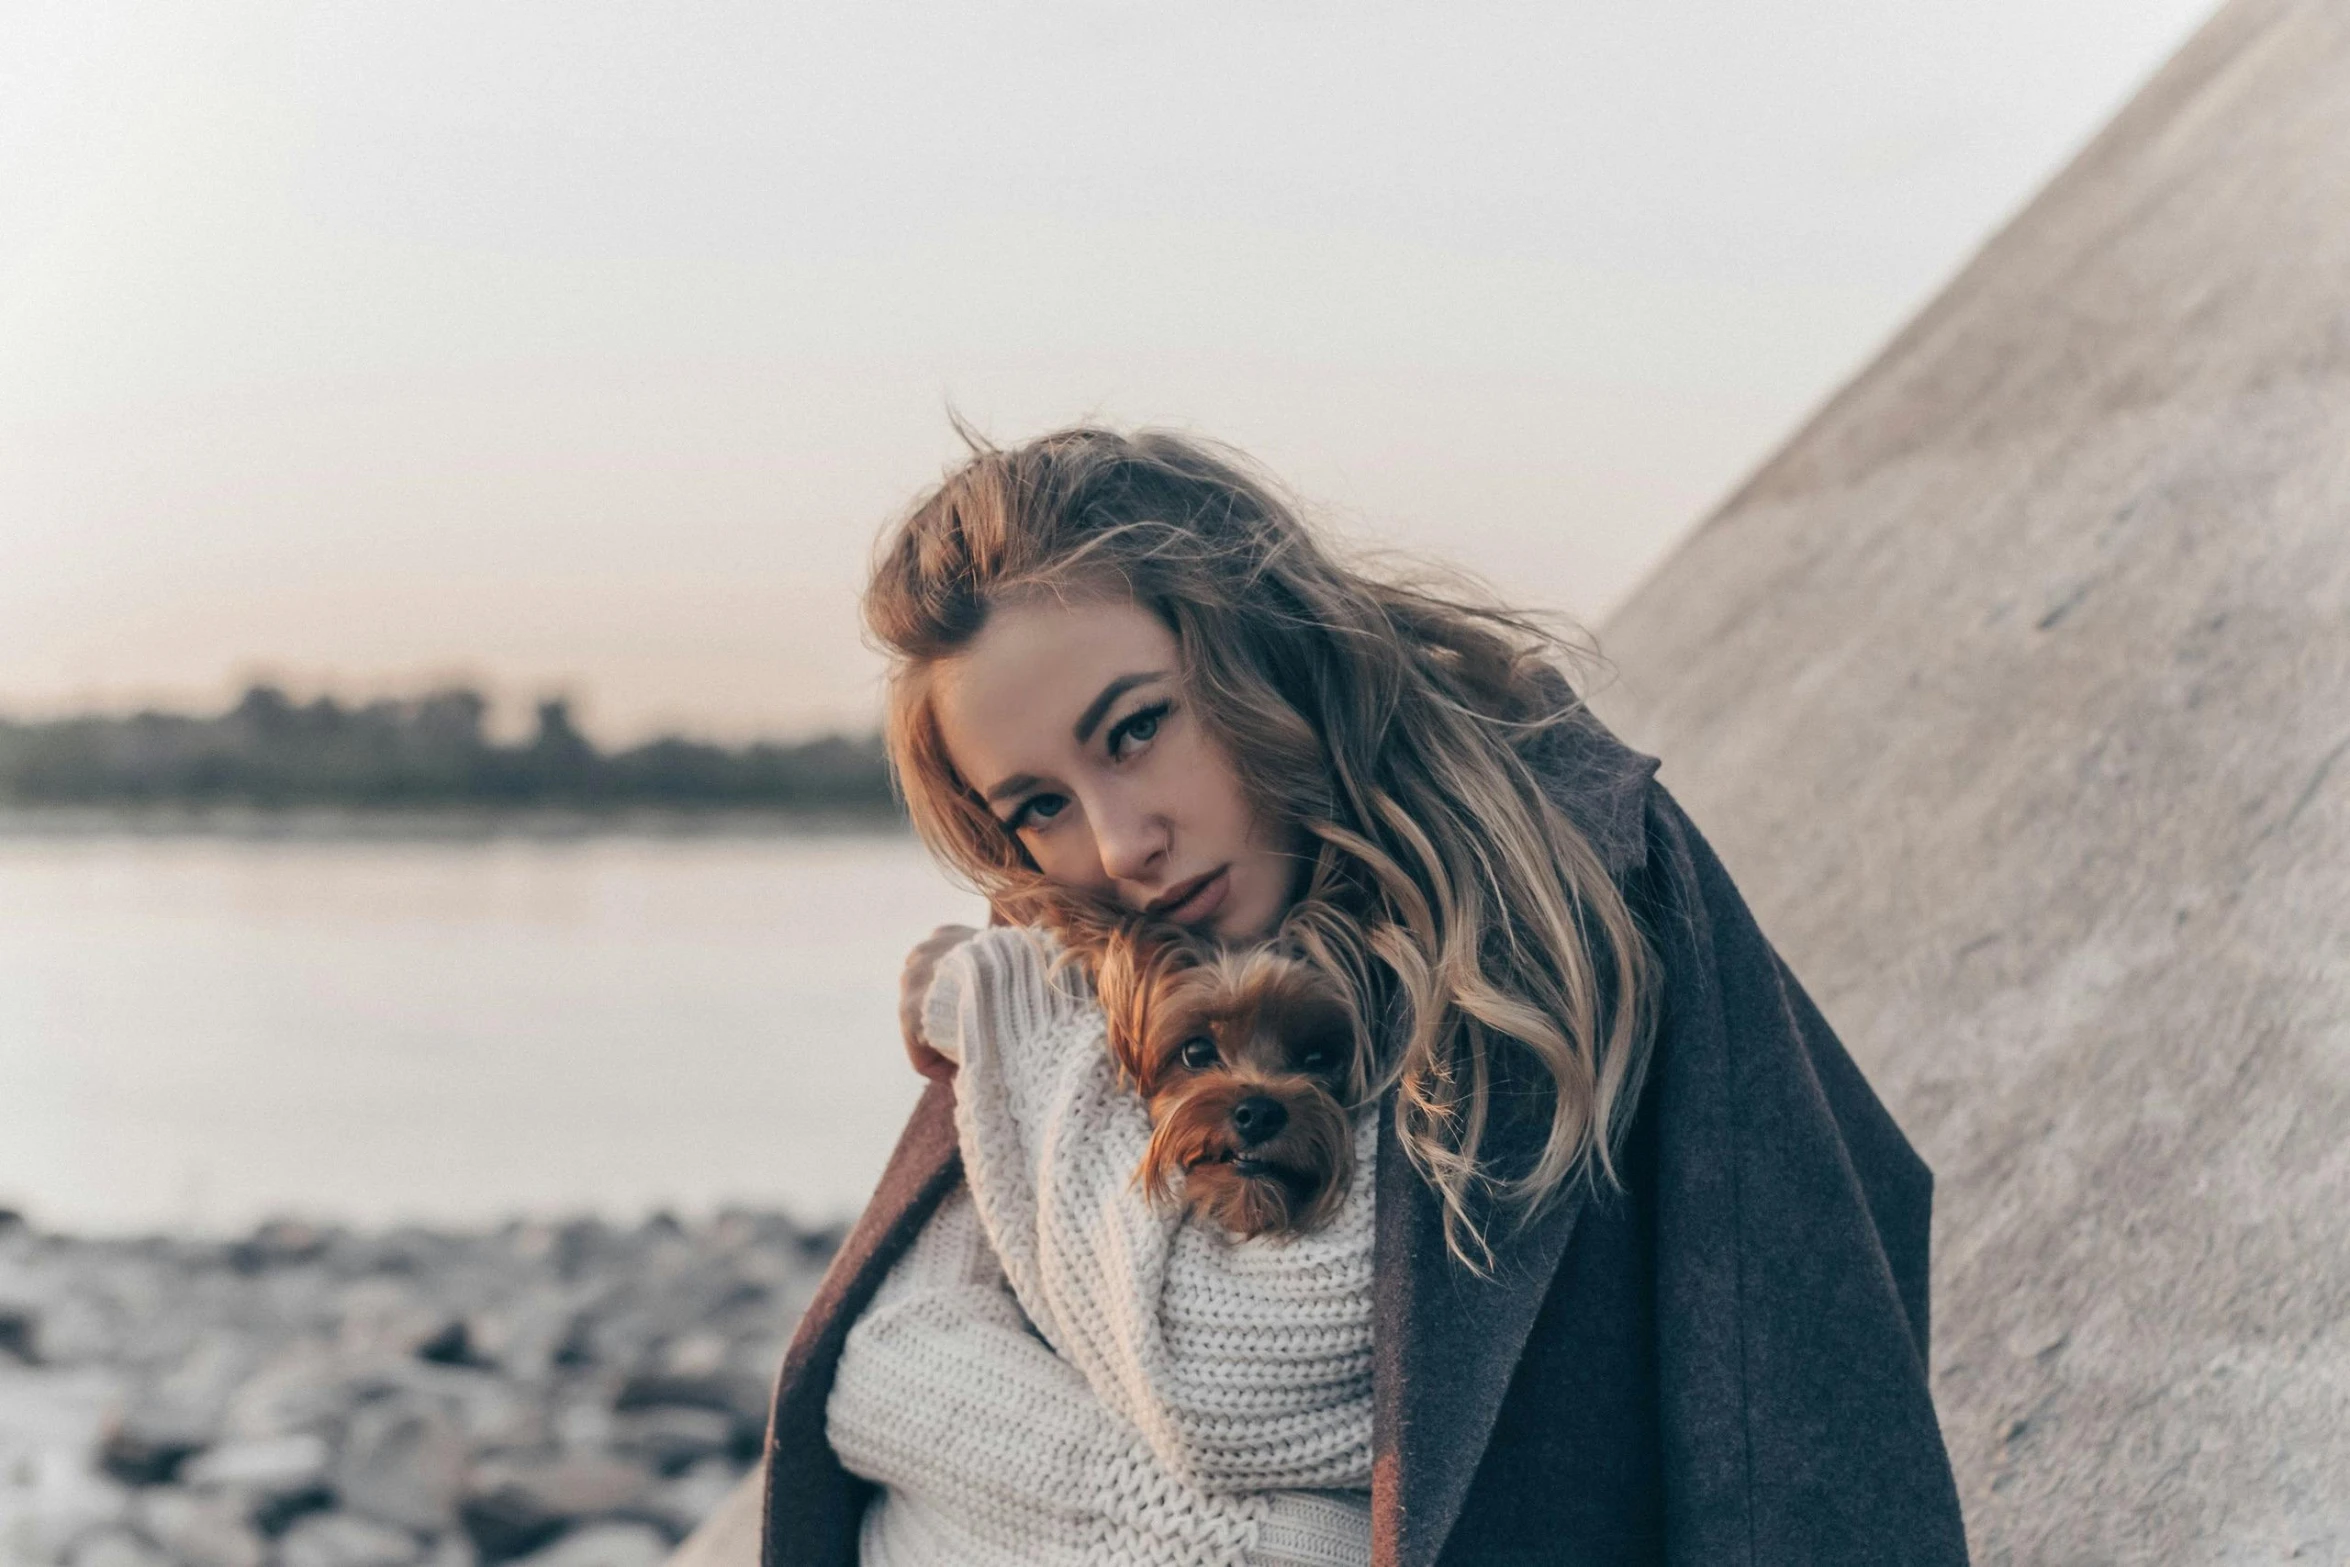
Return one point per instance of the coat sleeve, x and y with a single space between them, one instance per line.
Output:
1899 1188
1792 1223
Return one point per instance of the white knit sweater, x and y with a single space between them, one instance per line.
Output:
1210 1401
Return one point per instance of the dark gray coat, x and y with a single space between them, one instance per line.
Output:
1725 1363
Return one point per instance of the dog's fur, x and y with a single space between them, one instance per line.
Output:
1249 1062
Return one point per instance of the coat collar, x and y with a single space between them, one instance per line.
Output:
1600 782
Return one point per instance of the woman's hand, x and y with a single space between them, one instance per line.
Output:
914 985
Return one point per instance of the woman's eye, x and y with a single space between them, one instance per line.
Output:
1137 728
1035 811
1199 1054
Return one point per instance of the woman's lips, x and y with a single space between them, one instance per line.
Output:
1195 900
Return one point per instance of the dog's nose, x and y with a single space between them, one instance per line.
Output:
1256 1118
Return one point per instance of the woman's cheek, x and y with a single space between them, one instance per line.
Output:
1065 857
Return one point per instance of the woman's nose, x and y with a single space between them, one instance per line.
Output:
1132 843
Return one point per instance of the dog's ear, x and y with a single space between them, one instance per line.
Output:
1139 976
1318 1029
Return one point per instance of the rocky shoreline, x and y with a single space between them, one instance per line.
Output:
572 1394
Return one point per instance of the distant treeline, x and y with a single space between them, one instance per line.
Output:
423 752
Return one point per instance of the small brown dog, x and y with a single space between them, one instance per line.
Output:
1249 1062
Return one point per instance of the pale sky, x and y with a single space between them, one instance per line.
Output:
587 346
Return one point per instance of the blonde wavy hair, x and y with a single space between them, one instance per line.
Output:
1385 719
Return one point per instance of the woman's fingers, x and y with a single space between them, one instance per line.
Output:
914 986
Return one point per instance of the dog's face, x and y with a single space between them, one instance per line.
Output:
1248 1062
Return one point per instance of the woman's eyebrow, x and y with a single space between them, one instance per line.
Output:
1087 722
1091 718
1018 783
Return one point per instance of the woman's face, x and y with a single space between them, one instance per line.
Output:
1068 719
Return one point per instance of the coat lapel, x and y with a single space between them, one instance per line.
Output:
1445 1343
812 1504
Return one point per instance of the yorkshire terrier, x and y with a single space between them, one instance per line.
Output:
1249 1062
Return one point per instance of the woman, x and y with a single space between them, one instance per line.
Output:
1650 1271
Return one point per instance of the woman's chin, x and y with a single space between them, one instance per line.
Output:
1247 916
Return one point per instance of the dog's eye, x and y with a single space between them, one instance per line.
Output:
1318 1058
1199 1054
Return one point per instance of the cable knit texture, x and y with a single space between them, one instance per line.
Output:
991 1451
1245 1364
1216 1380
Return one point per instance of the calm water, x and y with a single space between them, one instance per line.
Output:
200 1031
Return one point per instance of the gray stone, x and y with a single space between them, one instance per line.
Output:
492 1411
568 1486
683 1504
605 1545
200 1530
453 1343
181 1410
20 1333
696 1353
115 1547
524 1335
728 1535
583 1424
51 1494
269 1465
345 1540
387 1316
672 1437
76 1330
403 1463
306 1387
739 1395
514 1506
280 1243
451 1550
137 1457
253 1392
2015 692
